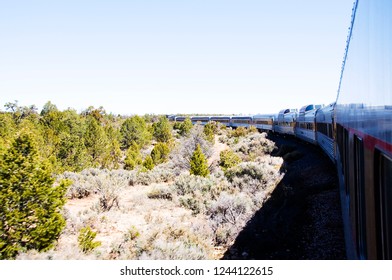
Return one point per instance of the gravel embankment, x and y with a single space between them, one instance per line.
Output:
302 219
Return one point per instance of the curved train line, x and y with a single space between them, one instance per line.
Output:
355 131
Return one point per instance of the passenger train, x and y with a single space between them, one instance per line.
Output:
355 131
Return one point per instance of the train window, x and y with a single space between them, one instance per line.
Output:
339 140
359 198
330 131
346 158
384 209
310 107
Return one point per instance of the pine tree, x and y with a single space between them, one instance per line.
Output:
185 127
96 141
209 131
162 130
134 129
148 163
30 205
160 153
228 159
198 163
133 157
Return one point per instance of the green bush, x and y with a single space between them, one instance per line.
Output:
160 153
191 203
209 130
198 163
162 130
86 240
239 131
228 159
184 127
133 157
148 163
30 205
134 129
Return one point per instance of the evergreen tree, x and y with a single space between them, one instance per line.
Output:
198 163
30 206
133 157
228 159
7 128
96 141
134 129
160 153
72 153
148 163
185 127
162 130
208 130
47 108
113 153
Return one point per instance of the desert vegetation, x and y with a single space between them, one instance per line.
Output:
136 187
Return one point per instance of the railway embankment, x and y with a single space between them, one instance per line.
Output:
302 219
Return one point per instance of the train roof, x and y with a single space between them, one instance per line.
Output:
310 107
242 117
287 111
263 115
220 117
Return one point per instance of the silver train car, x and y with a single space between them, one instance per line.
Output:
325 130
225 120
305 127
285 122
263 122
202 120
363 120
244 121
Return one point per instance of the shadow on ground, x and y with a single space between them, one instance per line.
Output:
302 218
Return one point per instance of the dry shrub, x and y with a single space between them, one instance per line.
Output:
228 215
162 173
85 183
176 242
253 146
160 192
196 192
181 155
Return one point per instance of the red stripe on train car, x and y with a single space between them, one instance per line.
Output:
371 142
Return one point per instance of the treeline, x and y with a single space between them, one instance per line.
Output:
73 141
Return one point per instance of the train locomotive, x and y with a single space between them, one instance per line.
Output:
355 131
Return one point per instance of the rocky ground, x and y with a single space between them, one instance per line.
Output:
302 219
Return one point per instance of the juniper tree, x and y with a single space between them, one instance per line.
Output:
185 127
148 163
133 157
162 130
160 153
134 129
228 159
209 131
96 141
30 205
198 163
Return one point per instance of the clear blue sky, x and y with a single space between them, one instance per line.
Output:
172 56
